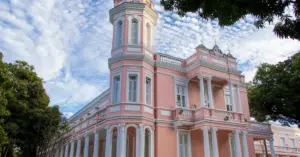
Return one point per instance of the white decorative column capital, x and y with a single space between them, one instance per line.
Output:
205 128
214 129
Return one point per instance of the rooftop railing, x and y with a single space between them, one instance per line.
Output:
256 126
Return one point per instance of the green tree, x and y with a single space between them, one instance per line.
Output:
274 93
230 11
25 117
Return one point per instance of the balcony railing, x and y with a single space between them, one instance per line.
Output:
256 126
170 59
207 113
278 149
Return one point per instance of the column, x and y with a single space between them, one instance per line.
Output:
140 146
57 152
96 144
272 148
202 99
210 93
237 143
232 97
121 148
66 150
206 142
108 143
215 142
152 142
62 151
239 99
78 149
245 144
72 148
86 145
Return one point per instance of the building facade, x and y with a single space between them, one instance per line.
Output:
286 142
163 106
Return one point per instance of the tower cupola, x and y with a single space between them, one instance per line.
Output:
133 26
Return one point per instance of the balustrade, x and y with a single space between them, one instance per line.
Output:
207 113
259 126
170 60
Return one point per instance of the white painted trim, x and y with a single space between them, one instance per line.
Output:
119 73
130 18
138 86
188 133
145 90
122 31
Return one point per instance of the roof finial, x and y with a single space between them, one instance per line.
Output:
215 41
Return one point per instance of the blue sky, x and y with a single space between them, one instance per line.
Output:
69 42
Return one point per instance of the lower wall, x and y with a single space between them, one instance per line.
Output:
165 142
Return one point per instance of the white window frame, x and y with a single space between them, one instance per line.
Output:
185 132
130 18
116 32
120 88
284 142
293 142
181 81
151 90
138 87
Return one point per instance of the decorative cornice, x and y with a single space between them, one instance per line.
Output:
134 6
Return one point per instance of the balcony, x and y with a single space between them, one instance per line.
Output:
207 114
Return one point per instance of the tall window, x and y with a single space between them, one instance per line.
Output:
293 143
282 141
148 35
134 31
132 89
119 36
183 145
148 91
227 102
181 96
116 89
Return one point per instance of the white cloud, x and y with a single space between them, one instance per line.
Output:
69 43
68 114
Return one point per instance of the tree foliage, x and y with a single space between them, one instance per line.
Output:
275 94
230 11
26 120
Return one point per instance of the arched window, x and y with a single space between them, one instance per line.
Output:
134 31
119 32
148 27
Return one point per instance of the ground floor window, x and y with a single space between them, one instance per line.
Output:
184 144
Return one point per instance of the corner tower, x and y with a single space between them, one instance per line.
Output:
133 26
131 62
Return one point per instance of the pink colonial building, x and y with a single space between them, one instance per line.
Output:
286 142
163 106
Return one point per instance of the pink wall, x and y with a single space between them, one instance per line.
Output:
219 101
165 91
197 143
165 142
